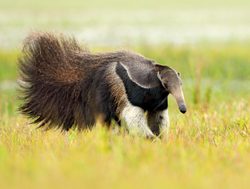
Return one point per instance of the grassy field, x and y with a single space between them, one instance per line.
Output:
208 147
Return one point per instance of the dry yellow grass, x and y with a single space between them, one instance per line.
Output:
207 148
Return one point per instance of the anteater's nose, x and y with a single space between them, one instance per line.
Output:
182 108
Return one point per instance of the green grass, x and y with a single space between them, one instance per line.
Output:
209 147
8 65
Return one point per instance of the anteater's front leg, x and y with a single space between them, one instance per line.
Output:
158 122
135 120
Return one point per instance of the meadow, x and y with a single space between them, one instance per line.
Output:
208 147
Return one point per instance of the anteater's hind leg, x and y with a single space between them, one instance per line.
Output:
158 122
117 120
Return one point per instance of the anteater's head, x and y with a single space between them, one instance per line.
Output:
171 81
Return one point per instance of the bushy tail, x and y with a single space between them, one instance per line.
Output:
51 76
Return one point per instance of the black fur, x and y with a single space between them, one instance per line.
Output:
152 99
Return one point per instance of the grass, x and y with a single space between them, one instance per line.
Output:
209 147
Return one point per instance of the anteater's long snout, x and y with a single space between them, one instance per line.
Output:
179 97
183 108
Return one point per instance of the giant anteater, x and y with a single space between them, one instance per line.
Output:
67 86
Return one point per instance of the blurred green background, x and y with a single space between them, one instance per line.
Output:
207 41
121 22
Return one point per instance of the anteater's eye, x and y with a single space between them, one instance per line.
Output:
179 74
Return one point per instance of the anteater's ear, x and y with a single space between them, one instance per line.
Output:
162 72
159 76
159 70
